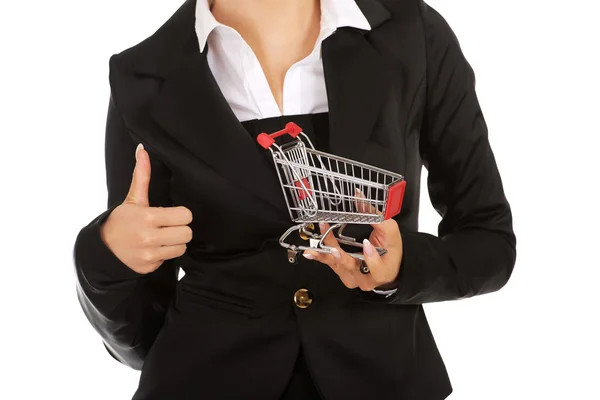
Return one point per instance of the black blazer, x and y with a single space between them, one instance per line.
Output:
400 96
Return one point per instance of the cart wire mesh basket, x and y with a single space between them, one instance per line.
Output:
322 187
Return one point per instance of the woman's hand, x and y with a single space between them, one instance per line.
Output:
384 269
143 237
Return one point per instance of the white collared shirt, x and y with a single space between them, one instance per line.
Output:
241 78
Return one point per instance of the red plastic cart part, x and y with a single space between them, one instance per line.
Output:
266 140
394 201
303 193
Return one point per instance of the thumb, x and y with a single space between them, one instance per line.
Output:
138 191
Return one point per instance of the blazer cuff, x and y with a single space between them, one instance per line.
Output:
386 293
416 274
99 265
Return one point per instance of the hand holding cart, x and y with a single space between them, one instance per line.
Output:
322 187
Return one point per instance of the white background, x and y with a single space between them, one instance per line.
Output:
537 71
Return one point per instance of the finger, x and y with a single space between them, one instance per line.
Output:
364 206
367 207
169 216
321 257
332 260
340 257
140 182
344 265
169 252
346 262
348 278
374 262
330 241
173 235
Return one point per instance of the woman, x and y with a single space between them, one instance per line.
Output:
381 82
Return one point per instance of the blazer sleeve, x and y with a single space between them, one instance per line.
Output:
475 249
127 309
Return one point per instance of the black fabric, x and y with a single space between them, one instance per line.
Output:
301 386
401 96
316 127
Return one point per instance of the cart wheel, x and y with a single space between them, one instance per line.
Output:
292 257
364 269
303 235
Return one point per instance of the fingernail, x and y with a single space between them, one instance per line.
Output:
336 254
309 256
137 149
367 247
322 225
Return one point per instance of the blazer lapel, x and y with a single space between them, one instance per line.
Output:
357 81
193 110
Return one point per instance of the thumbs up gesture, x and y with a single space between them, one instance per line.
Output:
143 237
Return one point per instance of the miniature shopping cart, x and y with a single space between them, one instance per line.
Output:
322 187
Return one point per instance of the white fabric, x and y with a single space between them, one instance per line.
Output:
241 78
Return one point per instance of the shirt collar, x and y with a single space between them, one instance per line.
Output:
334 14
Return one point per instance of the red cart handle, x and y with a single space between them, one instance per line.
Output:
266 140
